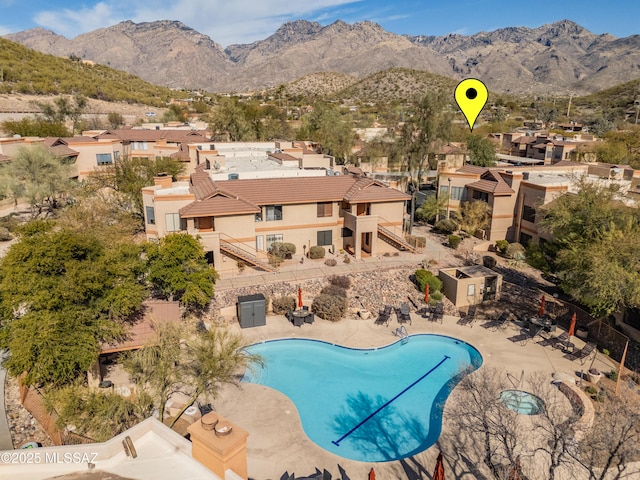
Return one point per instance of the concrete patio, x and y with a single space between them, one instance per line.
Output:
277 442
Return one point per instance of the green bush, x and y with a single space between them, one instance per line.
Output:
489 261
436 296
329 307
316 252
515 251
282 305
501 246
282 250
454 241
446 226
424 277
418 242
537 259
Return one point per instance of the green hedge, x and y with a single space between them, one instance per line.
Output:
316 252
424 277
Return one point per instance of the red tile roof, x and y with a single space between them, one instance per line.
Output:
173 136
245 196
53 141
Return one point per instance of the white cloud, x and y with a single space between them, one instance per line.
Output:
72 22
225 21
5 30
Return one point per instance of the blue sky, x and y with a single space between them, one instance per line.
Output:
244 21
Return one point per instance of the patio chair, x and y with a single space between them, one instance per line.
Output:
581 354
309 318
502 321
438 313
526 335
560 342
469 317
405 315
383 316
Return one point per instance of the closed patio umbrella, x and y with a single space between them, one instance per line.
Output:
299 297
572 326
438 473
541 309
372 474
426 293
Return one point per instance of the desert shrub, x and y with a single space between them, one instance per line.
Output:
340 280
329 307
514 249
5 235
317 252
331 262
282 305
489 261
275 260
446 226
347 259
454 241
424 277
436 296
10 222
333 290
501 246
241 265
282 250
537 259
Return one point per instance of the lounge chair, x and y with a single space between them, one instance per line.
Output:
383 316
405 314
526 335
438 313
500 322
561 342
469 317
581 354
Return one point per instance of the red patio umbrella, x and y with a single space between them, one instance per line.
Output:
372 474
541 309
572 326
426 293
299 297
438 473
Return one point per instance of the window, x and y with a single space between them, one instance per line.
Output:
258 217
325 209
525 239
139 146
471 290
173 222
259 242
484 196
104 158
346 206
346 232
457 193
116 155
444 190
325 237
151 215
272 239
529 214
274 212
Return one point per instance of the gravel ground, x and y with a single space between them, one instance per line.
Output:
24 428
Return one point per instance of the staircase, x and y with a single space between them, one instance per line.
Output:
231 250
395 240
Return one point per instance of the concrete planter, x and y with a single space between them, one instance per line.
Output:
594 376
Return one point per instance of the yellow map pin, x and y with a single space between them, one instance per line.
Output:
471 96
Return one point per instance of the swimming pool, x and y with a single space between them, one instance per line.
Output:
369 405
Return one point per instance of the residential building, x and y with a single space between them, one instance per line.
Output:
515 193
240 219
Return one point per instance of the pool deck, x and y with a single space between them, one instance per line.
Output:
277 442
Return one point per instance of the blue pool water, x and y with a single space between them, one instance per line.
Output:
368 405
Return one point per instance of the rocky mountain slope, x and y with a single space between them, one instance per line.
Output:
560 57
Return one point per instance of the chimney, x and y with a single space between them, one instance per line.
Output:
219 445
163 180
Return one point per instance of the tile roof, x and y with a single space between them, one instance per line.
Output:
218 204
245 196
63 151
492 182
173 136
182 154
284 157
54 141
472 169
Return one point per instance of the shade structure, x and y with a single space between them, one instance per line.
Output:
426 293
438 472
299 297
572 326
541 309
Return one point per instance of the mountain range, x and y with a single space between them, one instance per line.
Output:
558 58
